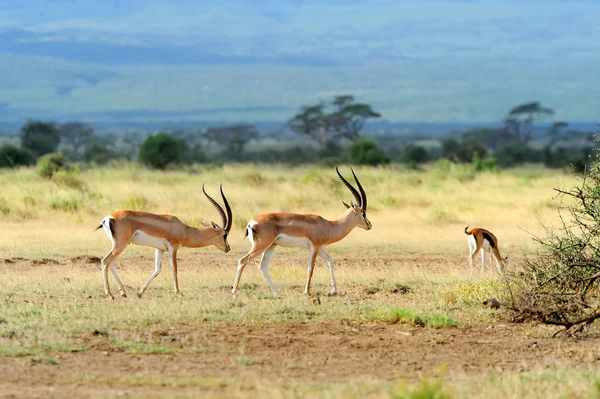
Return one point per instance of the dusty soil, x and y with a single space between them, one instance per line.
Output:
339 351
328 352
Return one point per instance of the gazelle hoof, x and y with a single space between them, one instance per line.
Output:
110 297
139 294
124 295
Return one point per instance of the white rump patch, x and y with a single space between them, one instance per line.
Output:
141 238
472 242
249 227
289 241
106 227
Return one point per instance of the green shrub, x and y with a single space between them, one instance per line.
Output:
514 153
365 151
99 154
414 153
12 156
160 150
462 151
51 163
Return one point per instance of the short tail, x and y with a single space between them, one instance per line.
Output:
249 228
99 227
466 228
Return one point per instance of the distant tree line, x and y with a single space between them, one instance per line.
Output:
333 130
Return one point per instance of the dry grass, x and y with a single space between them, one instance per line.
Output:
411 211
55 308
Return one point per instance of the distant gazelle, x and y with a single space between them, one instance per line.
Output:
483 240
285 229
162 232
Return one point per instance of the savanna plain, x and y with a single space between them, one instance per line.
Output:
408 320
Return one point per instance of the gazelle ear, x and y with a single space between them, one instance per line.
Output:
354 206
346 205
213 224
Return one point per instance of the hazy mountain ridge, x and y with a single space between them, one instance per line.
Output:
433 61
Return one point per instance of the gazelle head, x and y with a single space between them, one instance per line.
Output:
220 233
358 212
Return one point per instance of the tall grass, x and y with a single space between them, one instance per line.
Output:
414 211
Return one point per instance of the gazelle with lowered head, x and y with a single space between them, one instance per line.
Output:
269 230
163 233
483 240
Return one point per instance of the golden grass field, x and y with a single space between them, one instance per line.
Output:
408 319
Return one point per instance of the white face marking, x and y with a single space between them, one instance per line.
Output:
289 241
141 238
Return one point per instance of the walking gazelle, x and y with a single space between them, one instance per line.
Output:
269 230
483 240
162 232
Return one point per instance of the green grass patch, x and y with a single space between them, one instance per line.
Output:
398 315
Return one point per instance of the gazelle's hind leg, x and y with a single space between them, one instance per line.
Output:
483 260
264 267
329 260
253 253
311 266
472 249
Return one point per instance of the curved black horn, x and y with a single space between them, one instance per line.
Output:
352 189
216 205
228 209
363 195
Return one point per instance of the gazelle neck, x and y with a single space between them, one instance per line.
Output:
342 226
197 237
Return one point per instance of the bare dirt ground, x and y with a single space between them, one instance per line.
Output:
323 352
330 352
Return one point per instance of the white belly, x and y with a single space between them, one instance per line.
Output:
289 241
141 238
486 245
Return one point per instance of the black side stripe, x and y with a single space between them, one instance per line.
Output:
489 238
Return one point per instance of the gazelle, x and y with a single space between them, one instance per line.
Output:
162 232
483 240
269 230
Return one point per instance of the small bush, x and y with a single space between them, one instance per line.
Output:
99 154
365 151
414 153
51 163
12 156
514 153
161 150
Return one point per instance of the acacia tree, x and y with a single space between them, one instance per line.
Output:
76 134
345 120
40 137
519 122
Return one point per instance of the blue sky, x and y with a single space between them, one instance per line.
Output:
435 61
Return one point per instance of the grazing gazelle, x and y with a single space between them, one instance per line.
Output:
268 230
162 232
483 240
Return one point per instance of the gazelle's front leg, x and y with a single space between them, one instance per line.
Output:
311 266
173 258
329 260
107 261
158 255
